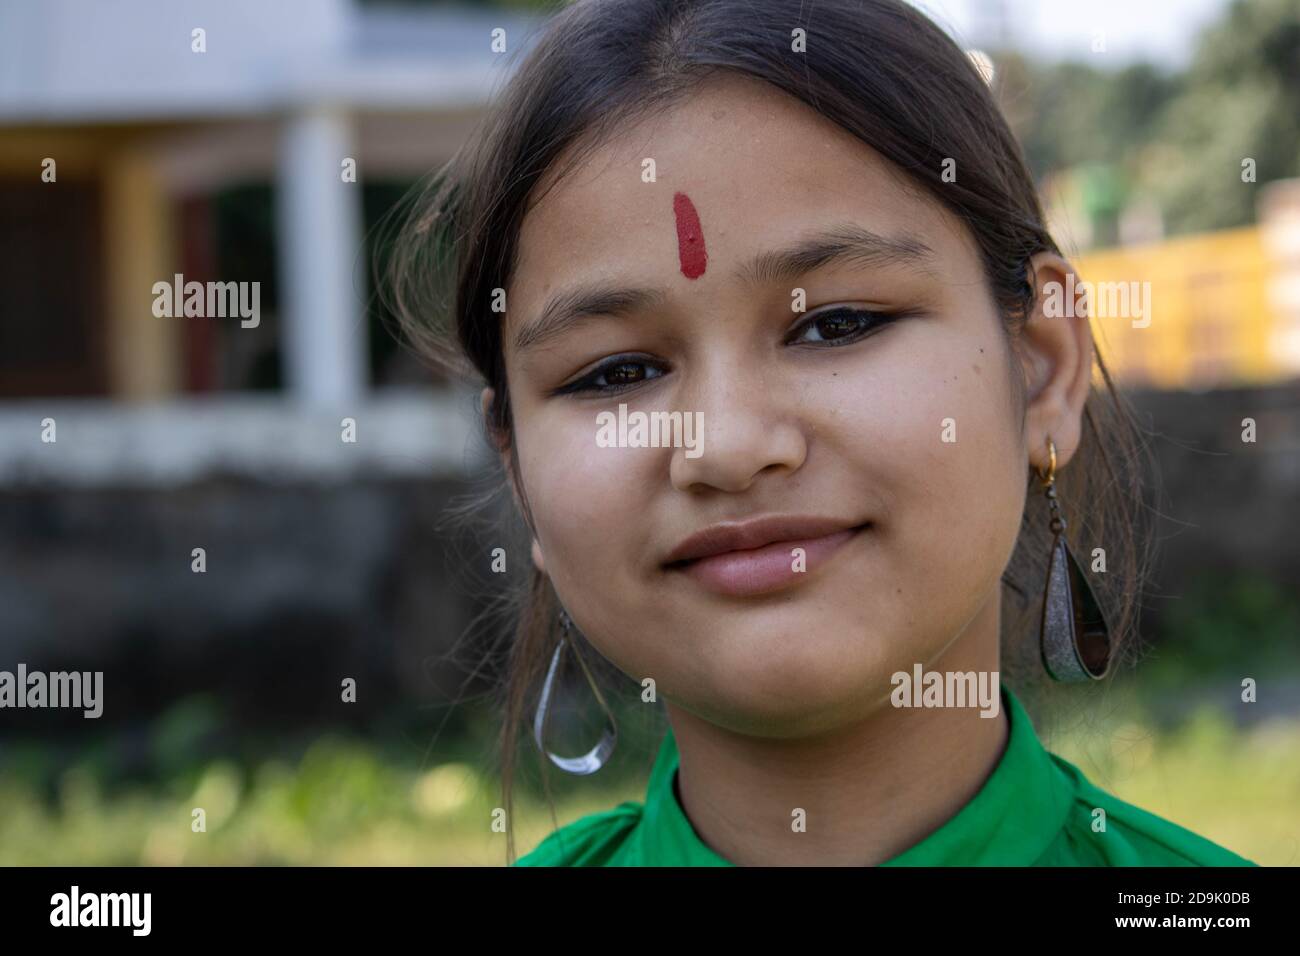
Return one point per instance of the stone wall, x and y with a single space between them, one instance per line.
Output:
308 582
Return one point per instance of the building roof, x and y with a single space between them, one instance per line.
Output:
75 61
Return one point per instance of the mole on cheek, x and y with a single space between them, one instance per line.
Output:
690 237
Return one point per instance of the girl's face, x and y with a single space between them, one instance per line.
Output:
881 419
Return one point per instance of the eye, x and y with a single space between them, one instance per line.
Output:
839 326
616 375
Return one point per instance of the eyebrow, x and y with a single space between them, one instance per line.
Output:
841 243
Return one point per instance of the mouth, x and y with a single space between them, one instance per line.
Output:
760 557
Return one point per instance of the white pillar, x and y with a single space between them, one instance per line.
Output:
319 235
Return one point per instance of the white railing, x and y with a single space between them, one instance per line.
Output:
403 433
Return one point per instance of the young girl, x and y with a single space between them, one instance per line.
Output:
758 292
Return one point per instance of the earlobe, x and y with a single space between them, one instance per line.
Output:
1056 347
537 556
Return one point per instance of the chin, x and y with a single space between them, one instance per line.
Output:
775 689
785 719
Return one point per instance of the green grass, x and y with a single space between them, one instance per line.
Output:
341 804
345 801
1237 786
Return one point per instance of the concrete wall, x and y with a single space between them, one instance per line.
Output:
311 580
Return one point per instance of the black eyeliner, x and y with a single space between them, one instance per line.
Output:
576 386
878 320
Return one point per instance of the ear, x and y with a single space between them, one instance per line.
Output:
1056 349
504 450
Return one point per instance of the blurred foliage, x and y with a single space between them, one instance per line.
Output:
1179 139
1225 625
329 798
1238 786
343 801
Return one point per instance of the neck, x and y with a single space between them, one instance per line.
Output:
870 790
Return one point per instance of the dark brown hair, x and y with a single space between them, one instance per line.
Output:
882 71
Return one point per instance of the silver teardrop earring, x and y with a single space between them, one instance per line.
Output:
595 758
1074 637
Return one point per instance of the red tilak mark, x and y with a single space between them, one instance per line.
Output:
690 237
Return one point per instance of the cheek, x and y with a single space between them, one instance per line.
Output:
584 498
931 426
972 473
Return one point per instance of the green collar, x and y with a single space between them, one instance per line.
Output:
1012 821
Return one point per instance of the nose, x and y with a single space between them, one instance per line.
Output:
747 430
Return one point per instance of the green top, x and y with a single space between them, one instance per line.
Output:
1035 809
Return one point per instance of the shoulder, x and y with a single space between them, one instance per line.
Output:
1126 835
598 839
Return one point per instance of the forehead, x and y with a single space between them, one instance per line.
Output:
758 165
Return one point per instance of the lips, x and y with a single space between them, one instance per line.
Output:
758 556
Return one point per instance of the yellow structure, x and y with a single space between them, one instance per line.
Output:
1224 309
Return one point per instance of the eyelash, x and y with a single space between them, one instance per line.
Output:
871 321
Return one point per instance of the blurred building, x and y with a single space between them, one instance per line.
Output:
147 139
143 119
123 129
1224 306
